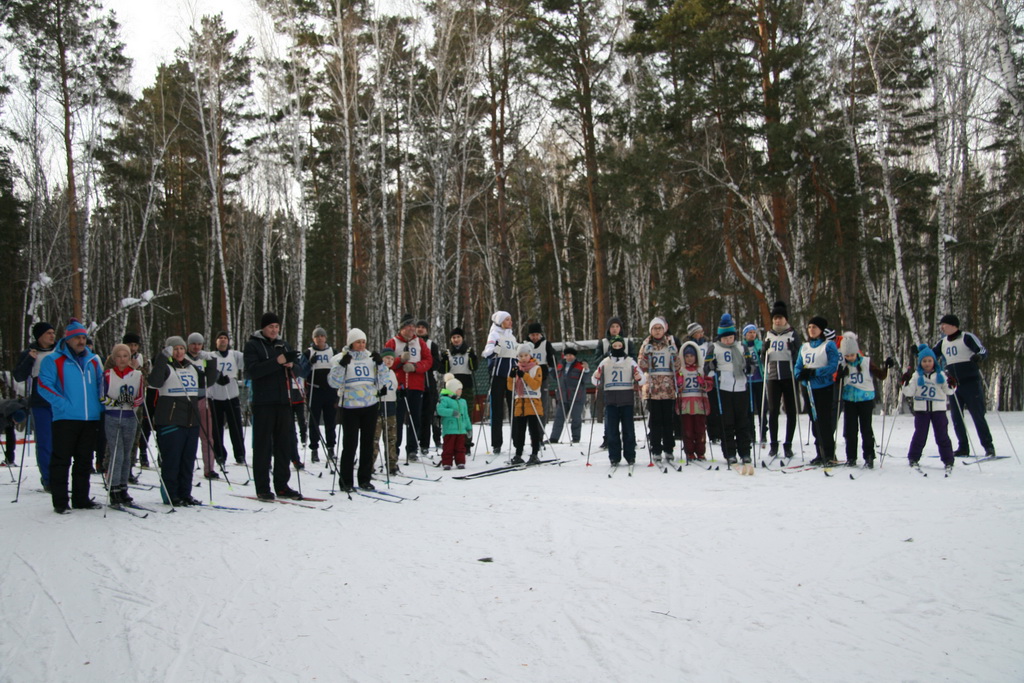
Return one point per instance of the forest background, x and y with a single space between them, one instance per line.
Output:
565 160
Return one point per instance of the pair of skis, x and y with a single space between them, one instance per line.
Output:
505 469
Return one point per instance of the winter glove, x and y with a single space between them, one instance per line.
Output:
905 377
375 357
345 360
806 375
124 398
951 381
913 349
107 401
291 356
405 357
713 365
409 368
890 362
223 380
383 391
844 371
400 393
518 373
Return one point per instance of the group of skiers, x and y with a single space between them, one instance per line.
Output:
693 390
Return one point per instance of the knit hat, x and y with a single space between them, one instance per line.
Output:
319 332
222 333
499 317
196 338
456 331
447 376
387 352
422 323
726 325
749 328
131 338
617 352
525 348
950 319
849 346
534 328
829 334
269 319
174 340
406 321
74 329
453 385
779 308
925 351
818 322
354 335
657 320
569 348
616 320
41 328
693 328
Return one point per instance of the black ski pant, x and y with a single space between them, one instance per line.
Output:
410 405
323 408
520 423
823 414
735 421
969 398
359 427
661 419
299 412
857 414
229 414
74 442
501 400
757 390
177 447
782 391
429 427
273 435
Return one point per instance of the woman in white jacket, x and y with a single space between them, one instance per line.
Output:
500 353
358 375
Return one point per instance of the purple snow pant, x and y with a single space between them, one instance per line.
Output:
937 420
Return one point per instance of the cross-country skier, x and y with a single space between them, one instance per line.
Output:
960 353
322 398
815 371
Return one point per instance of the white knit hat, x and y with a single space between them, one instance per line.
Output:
525 348
500 316
849 346
657 320
354 335
453 385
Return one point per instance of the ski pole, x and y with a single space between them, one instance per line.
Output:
984 390
29 429
796 409
483 430
964 421
590 441
159 455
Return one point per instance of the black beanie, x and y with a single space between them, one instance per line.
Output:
820 322
534 328
422 323
222 333
457 331
950 320
269 319
779 308
406 321
40 328
131 338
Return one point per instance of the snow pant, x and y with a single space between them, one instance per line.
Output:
42 429
120 426
694 439
756 391
735 424
969 398
428 426
939 423
501 400
358 428
100 447
714 417
820 403
660 420
779 391
575 410
229 414
207 425
323 407
520 423
273 434
454 449
177 460
857 414
408 417
146 426
299 414
10 443
386 425
74 442
616 419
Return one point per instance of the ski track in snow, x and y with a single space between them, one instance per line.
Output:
691 575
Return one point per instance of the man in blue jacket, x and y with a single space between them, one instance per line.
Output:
71 379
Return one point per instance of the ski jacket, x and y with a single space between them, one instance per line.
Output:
28 368
454 413
389 401
359 383
928 392
73 385
859 383
544 354
822 357
622 372
208 374
269 379
321 362
960 353
177 384
755 349
436 365
526 392
659 358
125 389
573 384
732 364
419 356
230 366
461 362
694 385
500 351
780 353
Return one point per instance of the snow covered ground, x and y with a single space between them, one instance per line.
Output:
690 576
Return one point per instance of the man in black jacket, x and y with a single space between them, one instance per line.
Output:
268 363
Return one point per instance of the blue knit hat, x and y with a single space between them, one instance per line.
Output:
726 325
749 328
74 329
925 351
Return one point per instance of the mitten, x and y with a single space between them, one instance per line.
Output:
345 360
409 368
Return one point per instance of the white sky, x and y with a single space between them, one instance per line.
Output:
152 30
